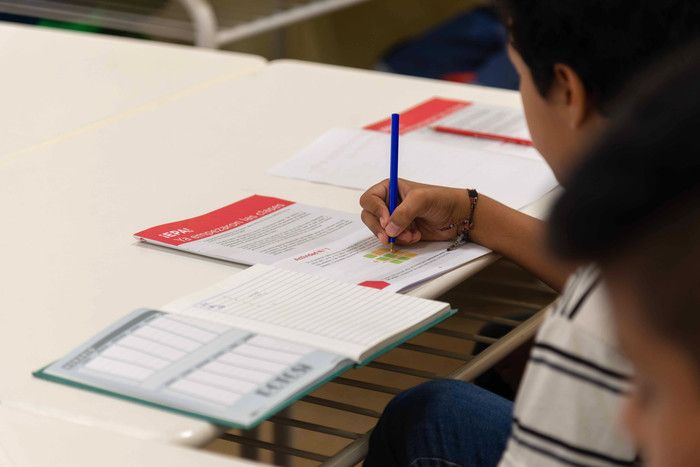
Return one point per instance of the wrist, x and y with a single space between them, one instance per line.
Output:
498 227
464 227
482 231
461 205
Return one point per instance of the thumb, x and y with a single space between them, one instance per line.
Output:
406 212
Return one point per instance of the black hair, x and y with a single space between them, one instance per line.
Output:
606 42
634 202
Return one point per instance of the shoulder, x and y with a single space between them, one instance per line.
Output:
583 310
573 386
579 332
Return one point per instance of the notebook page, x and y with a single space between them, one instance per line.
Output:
347 319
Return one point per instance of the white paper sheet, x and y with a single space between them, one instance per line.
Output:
359 258
485 118
255 230
331 244
360 158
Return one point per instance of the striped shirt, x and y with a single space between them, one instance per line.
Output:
567 409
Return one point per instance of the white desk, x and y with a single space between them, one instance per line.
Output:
58 81
70 265
35 441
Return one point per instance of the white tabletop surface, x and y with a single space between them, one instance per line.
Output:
70 265
33 441
58 81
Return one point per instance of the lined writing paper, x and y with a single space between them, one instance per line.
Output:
338 317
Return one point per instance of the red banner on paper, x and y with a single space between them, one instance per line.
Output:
375 284
421 115
215 222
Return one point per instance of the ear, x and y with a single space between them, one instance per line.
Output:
570 93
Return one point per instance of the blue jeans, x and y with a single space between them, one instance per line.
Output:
442 423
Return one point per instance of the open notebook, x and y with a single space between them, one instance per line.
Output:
239 351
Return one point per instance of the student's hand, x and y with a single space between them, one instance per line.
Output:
424 211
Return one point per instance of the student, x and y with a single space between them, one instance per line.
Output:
647 243
574 58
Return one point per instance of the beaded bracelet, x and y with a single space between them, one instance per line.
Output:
465 227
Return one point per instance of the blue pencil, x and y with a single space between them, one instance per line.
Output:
394 170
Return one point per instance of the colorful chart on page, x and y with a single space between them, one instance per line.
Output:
385 255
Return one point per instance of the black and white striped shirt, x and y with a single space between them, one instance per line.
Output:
567 409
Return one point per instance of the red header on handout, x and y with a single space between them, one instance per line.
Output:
375 284
227 218
421 115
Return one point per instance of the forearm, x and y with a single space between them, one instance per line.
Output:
520 238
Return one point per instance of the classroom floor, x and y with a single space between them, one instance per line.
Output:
349 406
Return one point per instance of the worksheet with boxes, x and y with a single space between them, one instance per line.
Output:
241 350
